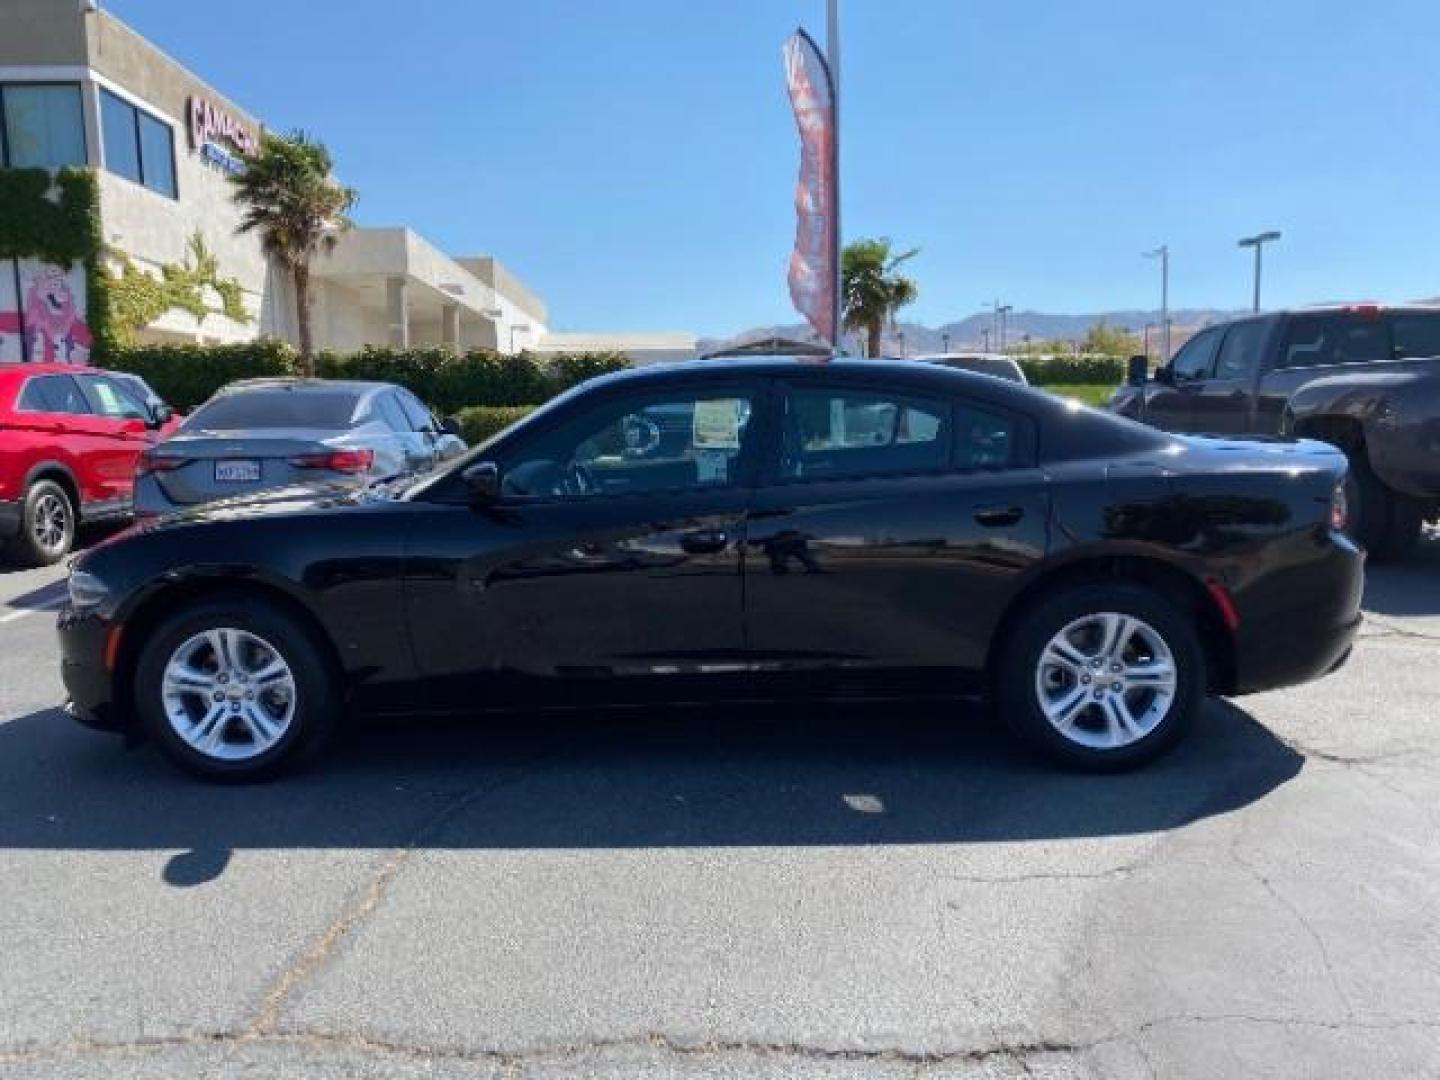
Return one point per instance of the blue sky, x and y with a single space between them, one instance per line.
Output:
634 160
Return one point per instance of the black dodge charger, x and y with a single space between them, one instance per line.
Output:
752 529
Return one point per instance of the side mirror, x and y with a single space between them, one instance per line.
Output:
1164 376
160 415
451 426
1137 371
483 481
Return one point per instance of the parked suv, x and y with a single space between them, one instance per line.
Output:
69 440
1362 377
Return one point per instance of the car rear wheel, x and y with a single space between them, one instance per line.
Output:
233 689
1384 522
47 525
1102 677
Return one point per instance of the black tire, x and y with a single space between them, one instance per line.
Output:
47 511
1019 670
1407 520
316 697
1380 521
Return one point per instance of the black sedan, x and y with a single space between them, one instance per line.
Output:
859 522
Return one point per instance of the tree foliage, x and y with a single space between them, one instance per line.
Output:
872 291
290 200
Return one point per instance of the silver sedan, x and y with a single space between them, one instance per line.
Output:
269 433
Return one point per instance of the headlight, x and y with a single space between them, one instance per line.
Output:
86 590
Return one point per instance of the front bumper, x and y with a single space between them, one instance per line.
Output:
1305 627
89 683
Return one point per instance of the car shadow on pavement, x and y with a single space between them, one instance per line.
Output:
750 776
1410 586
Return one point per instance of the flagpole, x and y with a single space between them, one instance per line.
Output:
832 49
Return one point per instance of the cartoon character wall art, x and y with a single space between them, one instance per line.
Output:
54 315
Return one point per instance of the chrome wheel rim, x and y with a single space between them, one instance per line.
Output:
1106 681
229 694
52 522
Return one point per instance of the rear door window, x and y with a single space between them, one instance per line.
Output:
391 413
831 434
53 394
418 415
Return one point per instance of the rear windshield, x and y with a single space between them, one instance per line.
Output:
275 409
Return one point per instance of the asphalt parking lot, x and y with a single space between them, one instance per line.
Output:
877 891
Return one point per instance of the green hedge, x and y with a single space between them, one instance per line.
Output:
1091 370
482 421
185 375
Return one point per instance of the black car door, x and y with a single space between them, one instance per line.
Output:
1172 401
889 528
614 549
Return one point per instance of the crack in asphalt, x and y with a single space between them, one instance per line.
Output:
1295 913
511 1060
368 900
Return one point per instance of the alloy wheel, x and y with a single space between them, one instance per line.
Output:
51 523
1106 680
229 694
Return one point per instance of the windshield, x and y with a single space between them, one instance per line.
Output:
275 408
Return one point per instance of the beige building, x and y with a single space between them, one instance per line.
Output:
79 87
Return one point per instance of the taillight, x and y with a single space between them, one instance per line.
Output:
1339 508
341 461
153 463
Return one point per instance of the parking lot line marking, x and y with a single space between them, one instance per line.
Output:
53 605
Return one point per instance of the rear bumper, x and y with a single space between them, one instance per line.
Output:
1312 632
89 684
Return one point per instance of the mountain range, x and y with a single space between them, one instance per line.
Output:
970 333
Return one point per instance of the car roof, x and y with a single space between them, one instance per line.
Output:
299 384
18 371
791 369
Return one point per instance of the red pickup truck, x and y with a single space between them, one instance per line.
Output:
69 439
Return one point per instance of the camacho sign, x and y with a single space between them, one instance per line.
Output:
211 127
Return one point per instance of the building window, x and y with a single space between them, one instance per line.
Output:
44 126
138 146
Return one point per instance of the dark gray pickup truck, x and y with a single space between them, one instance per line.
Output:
1363 377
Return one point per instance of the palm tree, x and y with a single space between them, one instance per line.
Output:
290 199
872 290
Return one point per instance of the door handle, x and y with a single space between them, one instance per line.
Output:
994 517
704 541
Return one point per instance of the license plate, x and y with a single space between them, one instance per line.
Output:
236 472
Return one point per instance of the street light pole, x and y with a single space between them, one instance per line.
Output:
1163 254
1004 323
1258 242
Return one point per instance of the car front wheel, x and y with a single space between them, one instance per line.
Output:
1102 677
233 689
